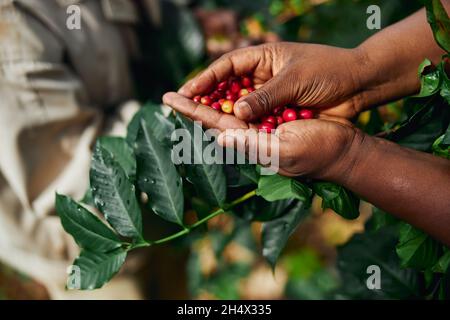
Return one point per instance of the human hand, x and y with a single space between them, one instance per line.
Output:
321 148
314 76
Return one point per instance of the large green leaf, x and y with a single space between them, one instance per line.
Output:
157 175
416 249
337 198
440 23
275 187
208 179
430 80
162 126
374 249
422 129
87 230
114 195
276 233
121 152
91 270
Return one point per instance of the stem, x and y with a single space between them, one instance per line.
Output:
242 199
200 222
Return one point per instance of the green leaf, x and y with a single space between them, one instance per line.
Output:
179 41
440 149
445 85
157 175
276 187
381 219
443 263
96 268
87 230
88 198
276 233
422 129
430 80
338 199
258 209
416 249
208 179
374 249
440 23
114 195
446 138
162 126
121 152
241 175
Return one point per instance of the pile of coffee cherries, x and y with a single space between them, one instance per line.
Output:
226 93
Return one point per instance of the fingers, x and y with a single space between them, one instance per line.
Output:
209 117
272 94
259 147
341 120
238 62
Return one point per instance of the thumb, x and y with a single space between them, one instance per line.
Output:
262 101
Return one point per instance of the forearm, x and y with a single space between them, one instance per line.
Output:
411 185
390 59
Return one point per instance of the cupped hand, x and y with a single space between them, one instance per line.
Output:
314 76
320 148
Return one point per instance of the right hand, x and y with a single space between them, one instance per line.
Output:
315 76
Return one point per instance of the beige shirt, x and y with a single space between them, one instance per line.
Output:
54 85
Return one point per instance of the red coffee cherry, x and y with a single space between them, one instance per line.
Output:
270 119
280 120
227 92
235 87
222 86
305 114
289 115
246 82
278 110
206 100
216 95
267 127
231 97
216 106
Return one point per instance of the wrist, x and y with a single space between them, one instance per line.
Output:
368 78
360 146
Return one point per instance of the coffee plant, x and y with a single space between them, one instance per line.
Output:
134 176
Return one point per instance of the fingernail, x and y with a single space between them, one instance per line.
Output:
244 109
